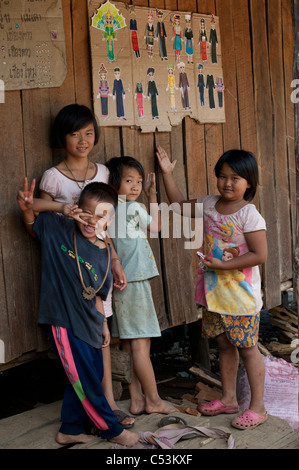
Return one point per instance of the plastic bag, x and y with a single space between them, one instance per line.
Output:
281 390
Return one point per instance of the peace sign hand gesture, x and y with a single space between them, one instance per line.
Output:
25 196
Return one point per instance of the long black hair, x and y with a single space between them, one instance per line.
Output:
244 164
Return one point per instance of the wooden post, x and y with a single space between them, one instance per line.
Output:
296 77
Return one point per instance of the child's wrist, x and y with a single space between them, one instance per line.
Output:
28 217
152 193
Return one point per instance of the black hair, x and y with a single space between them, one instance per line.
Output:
244 164
101 192
115 166
72 118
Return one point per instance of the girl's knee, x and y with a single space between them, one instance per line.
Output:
140 344
248 353
223 343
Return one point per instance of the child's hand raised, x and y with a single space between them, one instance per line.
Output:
165 164
72 211
150 184
25 196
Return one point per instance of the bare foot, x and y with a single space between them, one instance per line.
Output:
65 439
125 419
137 406
125 438
160 407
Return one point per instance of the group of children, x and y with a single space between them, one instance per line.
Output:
80 203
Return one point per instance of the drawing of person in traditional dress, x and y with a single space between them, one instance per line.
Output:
104 91
184 86
133 29
213 40
118 94
150 34
189 39
220 90
109 21
152 92
203 40
139 97
177 36
171 86
201 84
110 36
161 34
211 85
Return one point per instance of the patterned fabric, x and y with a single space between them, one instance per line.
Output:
63 346
234 292
241 331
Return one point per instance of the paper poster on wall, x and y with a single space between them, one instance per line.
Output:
153 67
32 44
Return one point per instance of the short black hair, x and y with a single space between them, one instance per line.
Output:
245 165
115 166
71 118
101 192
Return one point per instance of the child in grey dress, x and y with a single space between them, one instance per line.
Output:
135 319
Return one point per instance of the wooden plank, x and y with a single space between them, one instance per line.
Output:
82 74
18 316
141 147
280 138
206 376
184 254
213 132
244 73
206 7
174 266
83 93
196 171
196 177
37 122
265 156
65 94
39 107
177 268
231 134
288 54
296 77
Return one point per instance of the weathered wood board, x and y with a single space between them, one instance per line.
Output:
257 56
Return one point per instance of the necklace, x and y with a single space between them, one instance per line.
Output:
89 292
84 181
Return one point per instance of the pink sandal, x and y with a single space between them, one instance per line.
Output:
216 407
248 420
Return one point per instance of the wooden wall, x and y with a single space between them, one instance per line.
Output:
257 45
